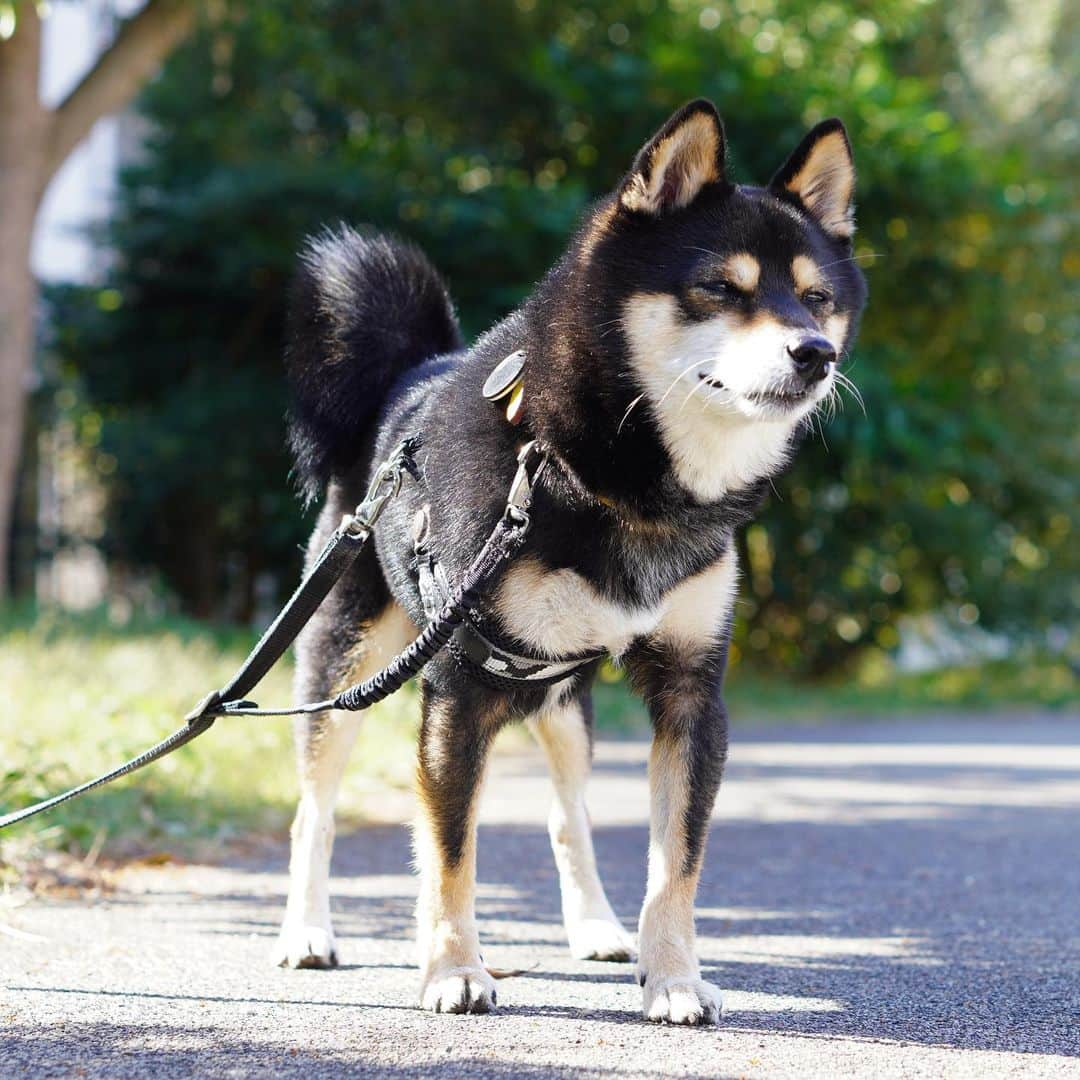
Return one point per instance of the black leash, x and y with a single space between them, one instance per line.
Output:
336 557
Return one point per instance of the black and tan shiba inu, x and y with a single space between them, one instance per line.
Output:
672 360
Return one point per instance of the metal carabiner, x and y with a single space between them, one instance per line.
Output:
521 490
385 484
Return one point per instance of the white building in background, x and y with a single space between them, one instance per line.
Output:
79 197
73 36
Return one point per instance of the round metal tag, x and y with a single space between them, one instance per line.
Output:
504 377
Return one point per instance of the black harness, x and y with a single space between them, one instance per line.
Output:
476 644
455 621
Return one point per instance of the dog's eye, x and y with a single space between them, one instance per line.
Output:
722 288
816 298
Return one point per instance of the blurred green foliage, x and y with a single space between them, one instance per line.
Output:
481 131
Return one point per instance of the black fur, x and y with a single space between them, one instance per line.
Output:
364 309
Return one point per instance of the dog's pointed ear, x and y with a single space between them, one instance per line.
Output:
677 162
821 175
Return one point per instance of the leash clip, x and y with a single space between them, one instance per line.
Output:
385 485
521 490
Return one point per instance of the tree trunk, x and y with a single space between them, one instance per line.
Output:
34 143
24 129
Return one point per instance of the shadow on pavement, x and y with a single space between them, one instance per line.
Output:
933 903
119 1050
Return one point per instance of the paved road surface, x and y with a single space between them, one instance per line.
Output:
898 899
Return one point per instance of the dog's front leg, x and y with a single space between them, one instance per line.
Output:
689 747
455 733
563 729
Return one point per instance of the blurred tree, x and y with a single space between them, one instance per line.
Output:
34 142
482 137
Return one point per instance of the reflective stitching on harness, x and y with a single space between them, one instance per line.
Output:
481 656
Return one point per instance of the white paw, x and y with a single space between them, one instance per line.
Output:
458 990
302 945
682 999
600 939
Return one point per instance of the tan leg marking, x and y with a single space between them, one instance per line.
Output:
592 927
323 745
453 977
674 991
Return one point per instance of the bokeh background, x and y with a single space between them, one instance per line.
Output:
921 553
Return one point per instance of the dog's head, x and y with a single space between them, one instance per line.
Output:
735 303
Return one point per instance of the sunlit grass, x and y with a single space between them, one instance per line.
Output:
80 695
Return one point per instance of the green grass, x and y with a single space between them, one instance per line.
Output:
82 694
753 697
1037 682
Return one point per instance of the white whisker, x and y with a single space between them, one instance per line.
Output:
854 258
678 378
629 410
844 381
693 390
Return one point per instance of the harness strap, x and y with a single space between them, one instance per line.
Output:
337 556
502 545
485 659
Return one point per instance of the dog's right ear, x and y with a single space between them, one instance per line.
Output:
677 162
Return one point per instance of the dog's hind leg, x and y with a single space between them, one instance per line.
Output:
563 729
323 742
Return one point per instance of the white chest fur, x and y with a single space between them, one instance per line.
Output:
559 613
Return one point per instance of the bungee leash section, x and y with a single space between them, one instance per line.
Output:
334 560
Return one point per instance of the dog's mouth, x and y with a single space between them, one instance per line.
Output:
768 399
779 398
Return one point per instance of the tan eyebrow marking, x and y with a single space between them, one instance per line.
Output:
805 272
744 270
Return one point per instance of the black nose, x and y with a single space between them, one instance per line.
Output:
812 357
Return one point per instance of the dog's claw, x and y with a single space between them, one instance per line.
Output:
459 990
683 1000
304 947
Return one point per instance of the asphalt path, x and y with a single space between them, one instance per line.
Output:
880 899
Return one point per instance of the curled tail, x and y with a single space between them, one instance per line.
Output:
364 309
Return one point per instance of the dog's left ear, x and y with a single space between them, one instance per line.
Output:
821 175
677 162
